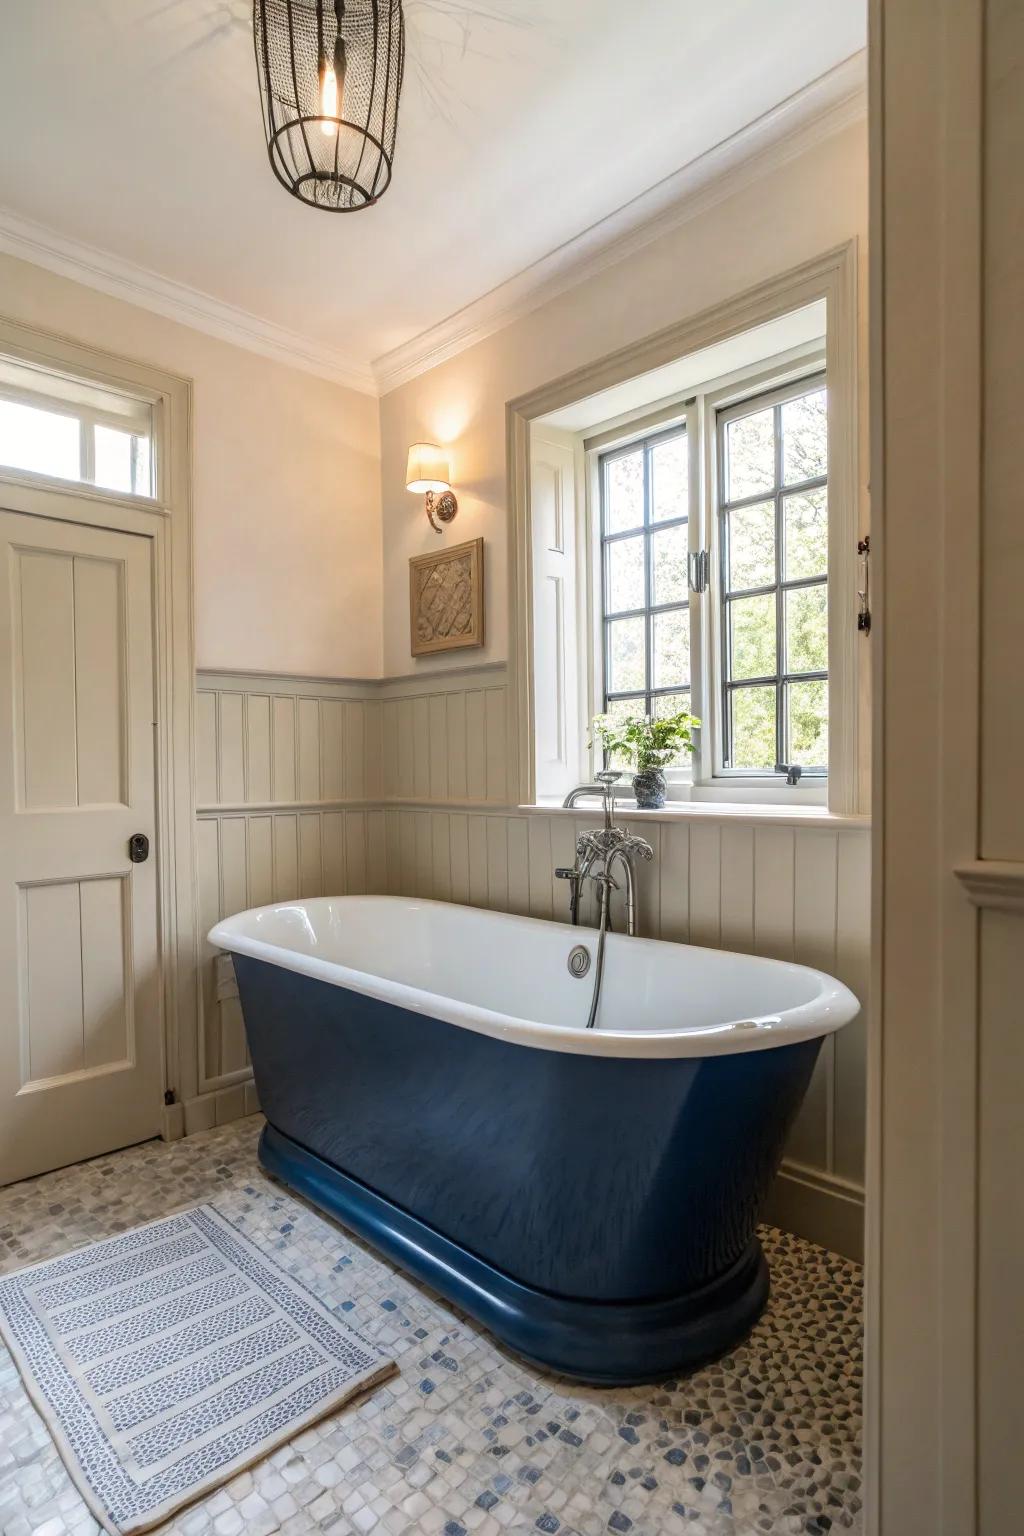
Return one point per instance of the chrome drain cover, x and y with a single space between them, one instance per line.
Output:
579 960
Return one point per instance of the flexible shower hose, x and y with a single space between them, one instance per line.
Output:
606 883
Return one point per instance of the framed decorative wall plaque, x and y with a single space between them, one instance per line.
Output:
446 599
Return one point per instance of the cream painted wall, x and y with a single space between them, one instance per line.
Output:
286 486
303 526
814 203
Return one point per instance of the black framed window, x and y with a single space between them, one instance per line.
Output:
644 563
773 539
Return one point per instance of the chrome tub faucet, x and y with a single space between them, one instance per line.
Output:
604 787
597 852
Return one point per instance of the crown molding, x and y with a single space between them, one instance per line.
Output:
137 285
825 107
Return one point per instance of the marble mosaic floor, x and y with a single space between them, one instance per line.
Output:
467 1440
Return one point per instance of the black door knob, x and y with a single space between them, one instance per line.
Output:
138 848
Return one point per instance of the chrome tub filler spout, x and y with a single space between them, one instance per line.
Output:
597 854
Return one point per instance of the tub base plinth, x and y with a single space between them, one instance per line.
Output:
602 1343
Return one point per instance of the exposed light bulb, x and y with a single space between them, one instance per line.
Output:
328 99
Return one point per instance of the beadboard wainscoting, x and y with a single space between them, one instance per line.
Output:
288 791
280 741
444 737
792 893
400 787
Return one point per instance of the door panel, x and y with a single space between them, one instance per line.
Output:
68 635
100 696
72 1020
80 1028
43 638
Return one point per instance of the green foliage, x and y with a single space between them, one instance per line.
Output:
645 742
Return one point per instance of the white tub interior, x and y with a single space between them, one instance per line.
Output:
508 976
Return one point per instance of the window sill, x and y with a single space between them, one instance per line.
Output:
736 814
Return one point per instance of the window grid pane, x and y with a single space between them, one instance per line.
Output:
663 535
42 441
761 680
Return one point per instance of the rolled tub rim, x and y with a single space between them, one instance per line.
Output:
833 1006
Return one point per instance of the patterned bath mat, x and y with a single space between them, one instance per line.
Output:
166 1359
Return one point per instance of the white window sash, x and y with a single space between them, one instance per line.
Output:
706 779
143 422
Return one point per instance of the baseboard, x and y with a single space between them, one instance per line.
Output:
820 1208
207 1110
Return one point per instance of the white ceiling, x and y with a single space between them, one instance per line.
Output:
133 127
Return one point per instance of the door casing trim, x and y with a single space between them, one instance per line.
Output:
167 521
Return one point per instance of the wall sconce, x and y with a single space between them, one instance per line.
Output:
428 472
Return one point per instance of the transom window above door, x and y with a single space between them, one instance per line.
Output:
64 428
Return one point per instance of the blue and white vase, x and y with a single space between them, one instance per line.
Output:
649 789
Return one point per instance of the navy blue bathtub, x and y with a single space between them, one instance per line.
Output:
591 1198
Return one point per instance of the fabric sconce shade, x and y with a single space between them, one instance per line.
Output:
427 469
428 473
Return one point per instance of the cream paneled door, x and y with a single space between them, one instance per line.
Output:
80 1037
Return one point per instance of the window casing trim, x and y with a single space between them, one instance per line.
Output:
166 519
830 278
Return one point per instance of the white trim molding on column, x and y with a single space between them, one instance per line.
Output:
996 884
945 1263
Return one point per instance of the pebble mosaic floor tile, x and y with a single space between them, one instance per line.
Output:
467 1440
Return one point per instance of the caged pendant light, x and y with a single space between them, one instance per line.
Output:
330 75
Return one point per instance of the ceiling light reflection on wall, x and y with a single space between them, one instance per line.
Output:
330 75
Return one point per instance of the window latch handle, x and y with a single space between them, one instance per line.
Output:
700 571
864 590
